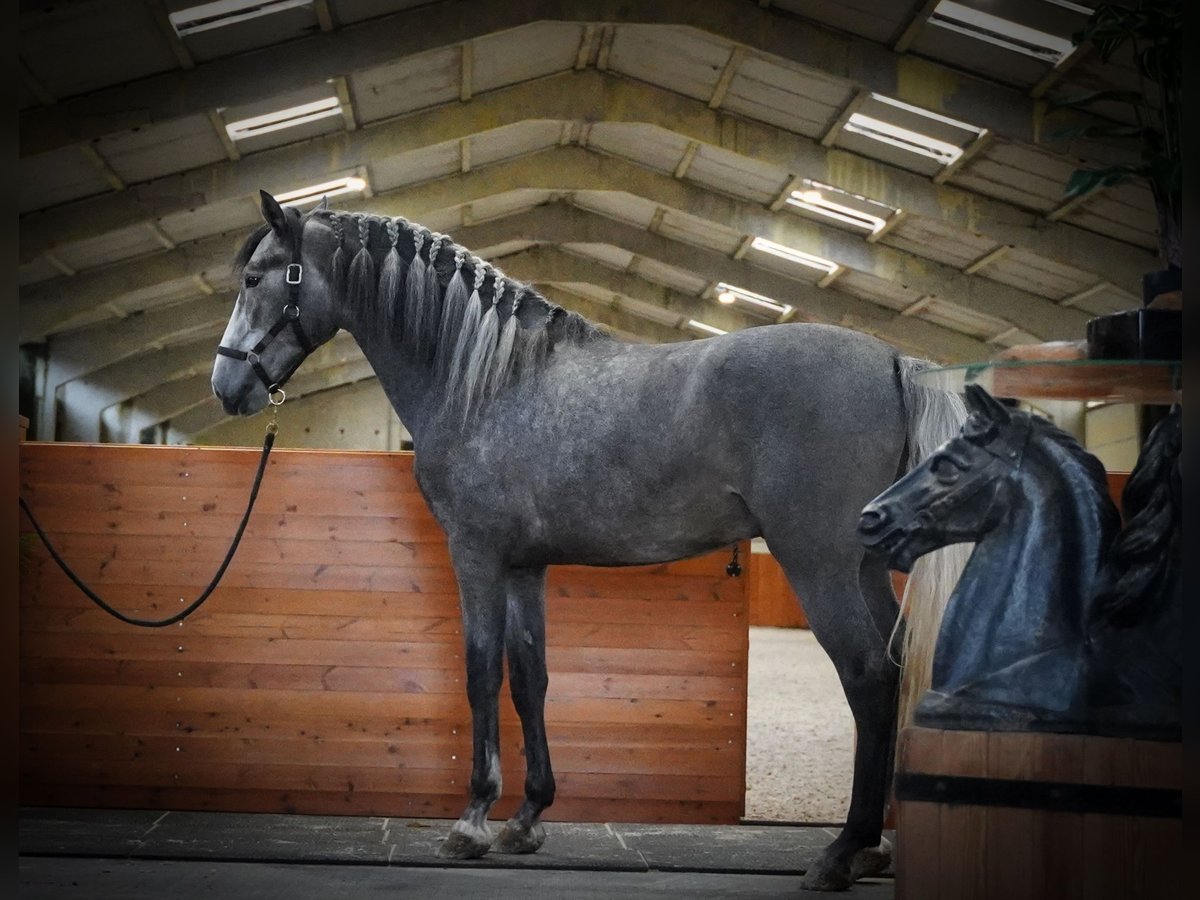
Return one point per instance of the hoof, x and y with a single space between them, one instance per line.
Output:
465 846
871 860
822 876
516 839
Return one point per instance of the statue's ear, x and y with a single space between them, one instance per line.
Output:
984 405
273 214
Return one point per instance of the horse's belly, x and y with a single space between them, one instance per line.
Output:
651 527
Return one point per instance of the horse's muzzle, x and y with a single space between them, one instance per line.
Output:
879 532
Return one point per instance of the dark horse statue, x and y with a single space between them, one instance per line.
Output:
1060 621
540 439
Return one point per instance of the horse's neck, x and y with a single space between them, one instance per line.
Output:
411 385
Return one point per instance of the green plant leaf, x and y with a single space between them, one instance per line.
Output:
1084 181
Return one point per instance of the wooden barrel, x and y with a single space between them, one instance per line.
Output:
1017 815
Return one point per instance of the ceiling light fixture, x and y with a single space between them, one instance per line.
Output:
824 200
704 327
912 141
1000 32
797 256
207 16
284 118
315 192
729 293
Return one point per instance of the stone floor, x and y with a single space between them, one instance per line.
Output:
132 854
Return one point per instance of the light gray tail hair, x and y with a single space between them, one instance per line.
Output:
935 416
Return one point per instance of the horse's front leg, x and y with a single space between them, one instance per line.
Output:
525 637
482 601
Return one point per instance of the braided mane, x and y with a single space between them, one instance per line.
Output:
478 329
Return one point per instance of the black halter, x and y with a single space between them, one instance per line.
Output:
293 275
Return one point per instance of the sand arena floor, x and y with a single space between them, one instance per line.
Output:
800 734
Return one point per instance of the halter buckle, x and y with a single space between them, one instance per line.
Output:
294 273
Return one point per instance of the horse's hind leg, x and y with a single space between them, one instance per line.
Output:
851 609
525 635
482 599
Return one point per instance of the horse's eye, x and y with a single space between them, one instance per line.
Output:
945 470
252 280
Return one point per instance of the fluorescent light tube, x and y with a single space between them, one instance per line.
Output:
702 326
887 133
207 16
729 293
284 118
303 195
797 256
1000 32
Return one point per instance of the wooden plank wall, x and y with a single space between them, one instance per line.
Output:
325 675
771 600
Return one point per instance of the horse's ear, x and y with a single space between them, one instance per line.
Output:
273 213
324 204
985 405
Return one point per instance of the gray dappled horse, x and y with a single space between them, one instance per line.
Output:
541 440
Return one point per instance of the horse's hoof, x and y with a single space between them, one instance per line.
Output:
514 838
871 860
823 876
465 846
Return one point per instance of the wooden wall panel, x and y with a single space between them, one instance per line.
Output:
326 674
771 600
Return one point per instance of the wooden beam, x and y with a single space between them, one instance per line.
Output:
785 192
920 15
35 85
685 161
170 35
990 257
726 78
345 102
218 123
101 164
981 142
466 71
851 107
324 15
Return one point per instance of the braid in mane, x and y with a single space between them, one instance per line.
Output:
361 287
391 276
503 360
453 311
481 355
468 332
338 276
414 305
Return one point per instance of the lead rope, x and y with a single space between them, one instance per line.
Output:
734 569
268 442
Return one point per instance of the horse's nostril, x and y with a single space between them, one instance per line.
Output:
873 518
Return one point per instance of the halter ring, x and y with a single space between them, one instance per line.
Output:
276 392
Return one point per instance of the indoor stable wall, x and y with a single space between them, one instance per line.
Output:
326 675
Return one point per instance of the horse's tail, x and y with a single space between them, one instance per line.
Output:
934 416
